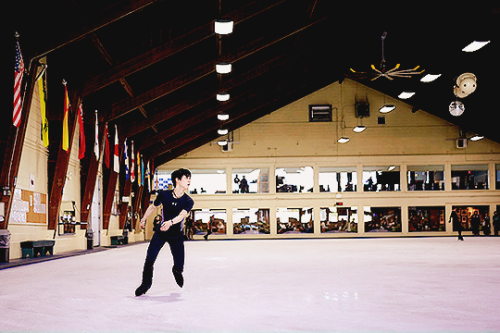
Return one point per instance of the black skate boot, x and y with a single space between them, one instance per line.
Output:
178 277
147 280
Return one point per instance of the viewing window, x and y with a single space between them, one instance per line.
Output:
426 219
339 219
294 179
382 219
497 176
469 177
201 217
466 215
251 221
208 181
250 180
426 178
295 220
382 178
338 179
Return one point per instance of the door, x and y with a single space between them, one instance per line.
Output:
96 212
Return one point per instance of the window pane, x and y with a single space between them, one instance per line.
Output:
426 178
250 180
251 221
382 219
426 219
469 177
339 219
294 179
471 221
381 178
201 217
295 220
497 176
208 181
338 179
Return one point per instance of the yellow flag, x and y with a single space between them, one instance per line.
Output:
43 110
65 139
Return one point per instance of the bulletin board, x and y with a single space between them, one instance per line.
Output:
28 207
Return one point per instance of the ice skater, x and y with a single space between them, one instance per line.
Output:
176 205
456 223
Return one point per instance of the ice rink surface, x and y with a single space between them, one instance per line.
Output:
313 285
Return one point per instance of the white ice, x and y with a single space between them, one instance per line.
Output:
322 285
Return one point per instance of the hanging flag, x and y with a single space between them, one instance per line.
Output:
125 158
81 151
65 138
96 140
142 171
132 165
43 110
106 145
139 175
148 178
151 176
116 161
18 80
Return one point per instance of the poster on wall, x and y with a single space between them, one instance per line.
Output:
28 207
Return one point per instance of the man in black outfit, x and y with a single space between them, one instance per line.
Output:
456 223
176 206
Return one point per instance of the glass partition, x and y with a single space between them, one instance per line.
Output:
251 221
201 217
250 180
473 217
426 219
469 177
382 219
338 179
294 179
295 220
339 219
497 176
381 178
208 181
426 178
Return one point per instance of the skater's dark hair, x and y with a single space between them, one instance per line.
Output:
178 174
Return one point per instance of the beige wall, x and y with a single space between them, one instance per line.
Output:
287 138
34 162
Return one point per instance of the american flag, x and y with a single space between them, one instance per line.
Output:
18 73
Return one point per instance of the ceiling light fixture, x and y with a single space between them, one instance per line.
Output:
474 46
222 142
223 26
406 94
387 108
223 96
476 138
222 131
223 116
343 139
359 128
223 68
430 77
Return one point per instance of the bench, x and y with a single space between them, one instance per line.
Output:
117 240
35 248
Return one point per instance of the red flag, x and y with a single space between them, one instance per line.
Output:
106 146
81 152
18 80
132 165
116 160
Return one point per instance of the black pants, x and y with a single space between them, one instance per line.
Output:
176 247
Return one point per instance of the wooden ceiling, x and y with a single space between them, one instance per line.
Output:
149 66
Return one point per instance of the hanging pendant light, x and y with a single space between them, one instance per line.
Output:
343 139
223 116
223 67
223 96
222 131
387 108
359 128
223 26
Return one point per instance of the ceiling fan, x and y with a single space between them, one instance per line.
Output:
382 70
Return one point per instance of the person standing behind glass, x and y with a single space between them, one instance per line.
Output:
496 223
475 222
210 225
457 225
486 225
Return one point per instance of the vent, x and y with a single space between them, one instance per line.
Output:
362 109
461 143
320 113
